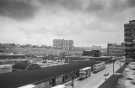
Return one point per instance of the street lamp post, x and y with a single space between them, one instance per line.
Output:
113 67
72 82
113 64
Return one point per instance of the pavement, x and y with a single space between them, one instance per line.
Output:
95 80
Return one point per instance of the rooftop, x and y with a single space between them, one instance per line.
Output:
132 21
16 79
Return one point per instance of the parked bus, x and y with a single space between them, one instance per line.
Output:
98 67
84 73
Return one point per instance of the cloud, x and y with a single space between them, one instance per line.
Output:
17 9
25 9
91 5
131 3
40 21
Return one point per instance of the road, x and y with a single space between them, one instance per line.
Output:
96 79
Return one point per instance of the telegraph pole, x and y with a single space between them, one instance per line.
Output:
113 66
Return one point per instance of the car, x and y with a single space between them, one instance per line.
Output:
130 77
129 74
127 70
131 65
133 81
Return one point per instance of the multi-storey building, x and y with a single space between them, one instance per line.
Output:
63 44
129 37
115 49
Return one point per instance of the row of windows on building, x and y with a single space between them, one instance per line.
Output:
129 38
63 44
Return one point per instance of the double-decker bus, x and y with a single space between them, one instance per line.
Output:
84 73
99 67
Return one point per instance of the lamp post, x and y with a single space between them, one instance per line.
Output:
113 67
73 77
72 82
113 64
113 59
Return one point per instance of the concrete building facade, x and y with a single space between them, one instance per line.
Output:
63 44
129 38
115 49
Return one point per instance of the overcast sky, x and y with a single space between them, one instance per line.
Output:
87 22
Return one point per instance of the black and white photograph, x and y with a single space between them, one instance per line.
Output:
67 43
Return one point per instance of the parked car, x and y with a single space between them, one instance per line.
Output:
129 74
133 81
131 65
